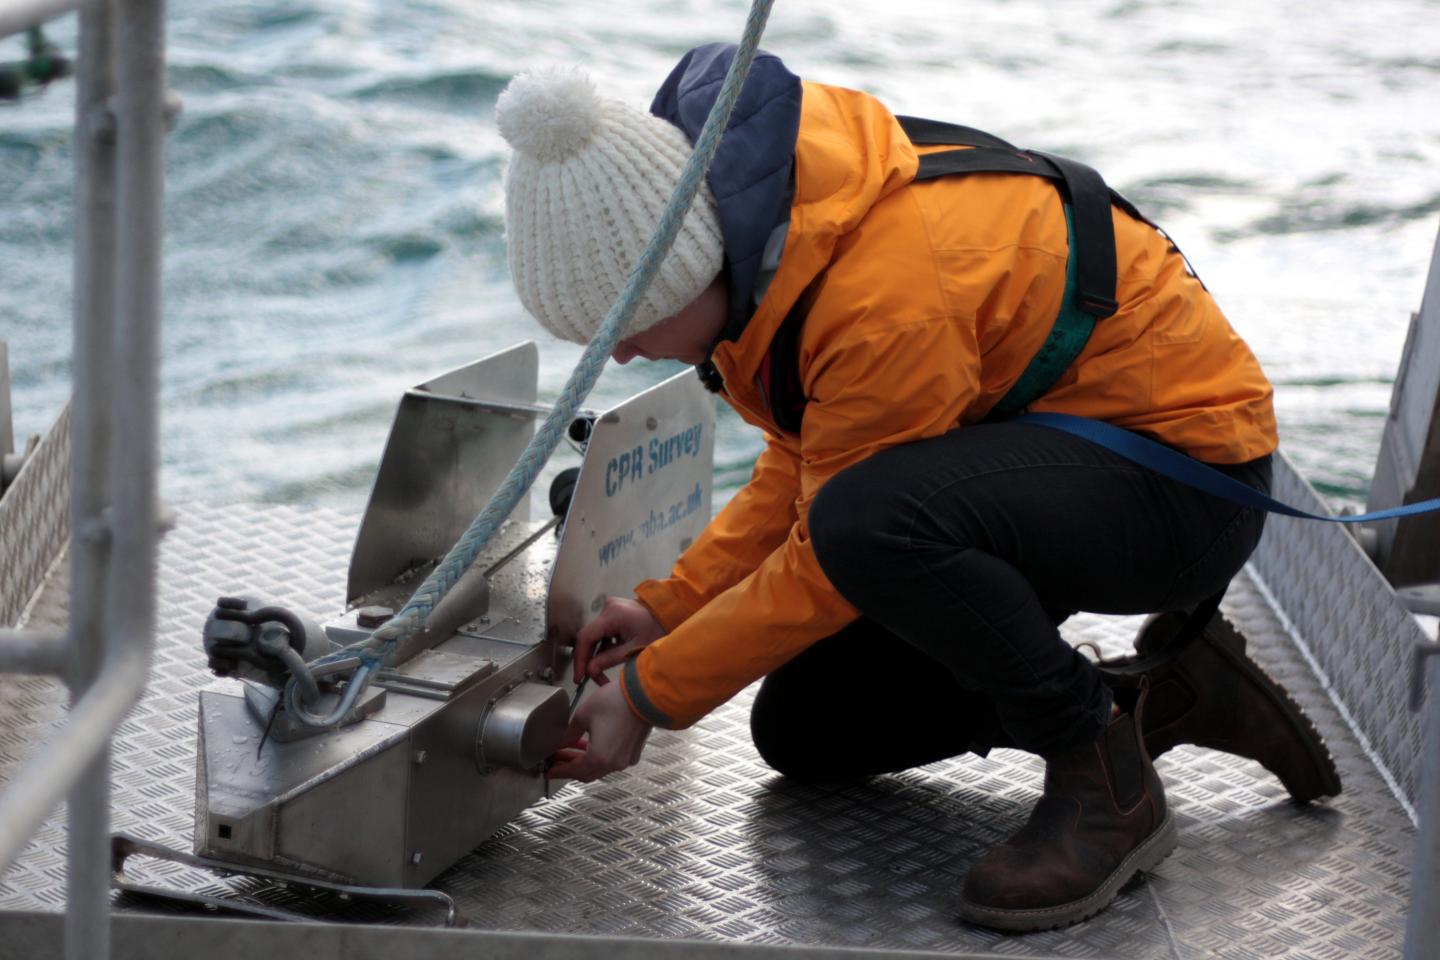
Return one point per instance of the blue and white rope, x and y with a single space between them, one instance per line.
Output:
381 644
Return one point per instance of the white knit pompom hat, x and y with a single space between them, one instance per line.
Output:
584 191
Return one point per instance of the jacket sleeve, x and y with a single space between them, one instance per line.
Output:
746 531
877 385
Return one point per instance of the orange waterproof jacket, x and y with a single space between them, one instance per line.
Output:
926 303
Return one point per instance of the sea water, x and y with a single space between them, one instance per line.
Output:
335 229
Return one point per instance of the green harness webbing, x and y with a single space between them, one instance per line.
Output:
1067 338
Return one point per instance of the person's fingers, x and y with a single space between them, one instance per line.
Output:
571 752
612 655
625 621
579 769
586 640
583 765
579 726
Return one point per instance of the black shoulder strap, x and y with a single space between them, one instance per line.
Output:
929 133
1086 192
1094 251
982 160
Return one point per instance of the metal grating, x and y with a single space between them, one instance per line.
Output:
702 841
35 520
1361 637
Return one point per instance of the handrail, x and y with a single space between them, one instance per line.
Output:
87 928
17 16
43 782
119 183
32 651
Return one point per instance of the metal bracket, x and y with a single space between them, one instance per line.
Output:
284 728
105 122
1423 651
123 847
1421 598
12 463
28 651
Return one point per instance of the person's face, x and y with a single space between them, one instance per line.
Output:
686 336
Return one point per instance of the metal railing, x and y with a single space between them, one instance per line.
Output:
120 120
17 16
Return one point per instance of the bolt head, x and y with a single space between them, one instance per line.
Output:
371 617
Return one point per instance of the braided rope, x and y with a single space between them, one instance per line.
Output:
374 650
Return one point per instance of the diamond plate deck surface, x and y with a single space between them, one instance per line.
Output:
702 840
1362 640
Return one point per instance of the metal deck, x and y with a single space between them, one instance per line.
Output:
702 841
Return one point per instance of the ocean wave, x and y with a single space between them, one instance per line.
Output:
458 89
1313 215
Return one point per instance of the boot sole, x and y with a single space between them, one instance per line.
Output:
1321 779
1147 856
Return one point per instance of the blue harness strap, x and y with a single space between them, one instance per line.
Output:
1175 465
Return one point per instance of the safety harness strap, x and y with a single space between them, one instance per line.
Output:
930 133
1090 269
1095 256
983 160
1177 466
1068 336
1086 193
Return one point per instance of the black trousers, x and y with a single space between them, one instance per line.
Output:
963 554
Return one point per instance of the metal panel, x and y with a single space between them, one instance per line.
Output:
1343 611
255 801
1408 468
445 456
453 807
1422 931
638 504
702 841
35 521
322 822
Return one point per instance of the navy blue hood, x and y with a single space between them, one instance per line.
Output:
752 172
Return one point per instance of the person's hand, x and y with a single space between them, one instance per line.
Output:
629 623
616 738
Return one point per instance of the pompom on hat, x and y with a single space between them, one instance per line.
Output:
583 193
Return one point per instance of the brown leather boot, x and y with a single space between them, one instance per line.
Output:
1101 820
1209 693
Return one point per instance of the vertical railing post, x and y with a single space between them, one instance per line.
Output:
87 922
140 125
1422 927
